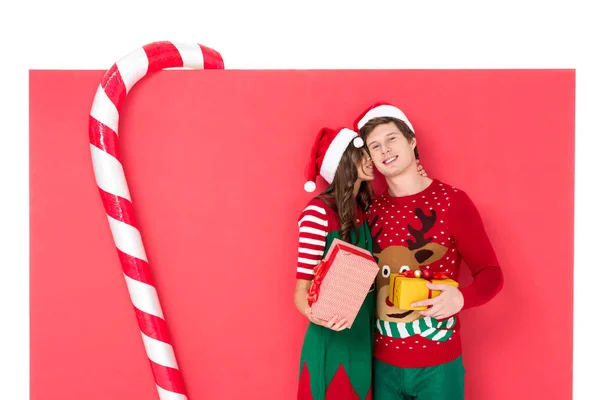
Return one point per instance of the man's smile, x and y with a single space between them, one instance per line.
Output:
390 160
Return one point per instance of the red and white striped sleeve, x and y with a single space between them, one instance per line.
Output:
313 227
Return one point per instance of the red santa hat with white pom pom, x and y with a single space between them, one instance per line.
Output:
381 110
326 154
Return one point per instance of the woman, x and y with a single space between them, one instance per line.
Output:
335 362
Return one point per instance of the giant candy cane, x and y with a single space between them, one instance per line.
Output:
110 178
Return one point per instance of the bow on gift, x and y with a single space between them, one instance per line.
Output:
427 275
320 272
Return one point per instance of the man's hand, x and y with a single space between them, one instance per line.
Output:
335 324
447 304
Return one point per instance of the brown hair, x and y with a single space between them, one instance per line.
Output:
341 191
366 130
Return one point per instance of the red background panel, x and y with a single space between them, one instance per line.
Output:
215 161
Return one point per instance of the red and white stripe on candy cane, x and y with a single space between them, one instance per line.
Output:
114 192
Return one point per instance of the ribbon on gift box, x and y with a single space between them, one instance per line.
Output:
320 272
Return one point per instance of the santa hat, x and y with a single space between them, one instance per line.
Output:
381 110
326 154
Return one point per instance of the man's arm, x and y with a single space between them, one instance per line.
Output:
474 246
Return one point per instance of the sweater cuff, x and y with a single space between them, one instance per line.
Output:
304 276
486 284
469 297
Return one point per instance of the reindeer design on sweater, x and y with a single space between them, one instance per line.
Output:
394 259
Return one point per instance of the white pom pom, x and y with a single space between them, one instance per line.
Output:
358 142
310 186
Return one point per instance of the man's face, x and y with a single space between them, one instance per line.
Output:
391 152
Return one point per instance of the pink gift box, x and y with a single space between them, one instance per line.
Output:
342 281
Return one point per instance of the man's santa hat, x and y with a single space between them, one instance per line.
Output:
326 154
381 110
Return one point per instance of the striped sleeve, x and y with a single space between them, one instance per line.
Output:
313 226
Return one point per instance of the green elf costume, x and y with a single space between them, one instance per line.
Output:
334 365
432 231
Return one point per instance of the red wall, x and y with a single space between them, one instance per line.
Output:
215 161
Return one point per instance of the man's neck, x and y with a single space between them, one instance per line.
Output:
407 183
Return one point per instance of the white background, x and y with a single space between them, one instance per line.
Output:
296 35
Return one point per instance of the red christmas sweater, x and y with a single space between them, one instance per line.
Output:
435 230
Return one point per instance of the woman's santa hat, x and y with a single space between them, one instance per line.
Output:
326 154
381 110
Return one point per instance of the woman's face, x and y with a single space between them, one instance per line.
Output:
365 168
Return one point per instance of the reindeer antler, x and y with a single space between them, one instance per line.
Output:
427 221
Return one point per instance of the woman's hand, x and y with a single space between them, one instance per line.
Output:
300 294
421 169
335 324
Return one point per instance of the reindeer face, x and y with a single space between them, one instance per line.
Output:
396 259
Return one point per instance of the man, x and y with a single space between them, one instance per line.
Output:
421 224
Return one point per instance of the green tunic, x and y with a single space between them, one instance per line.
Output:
345 355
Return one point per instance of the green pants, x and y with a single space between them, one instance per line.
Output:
440 382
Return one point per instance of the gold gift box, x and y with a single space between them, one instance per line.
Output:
406 290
